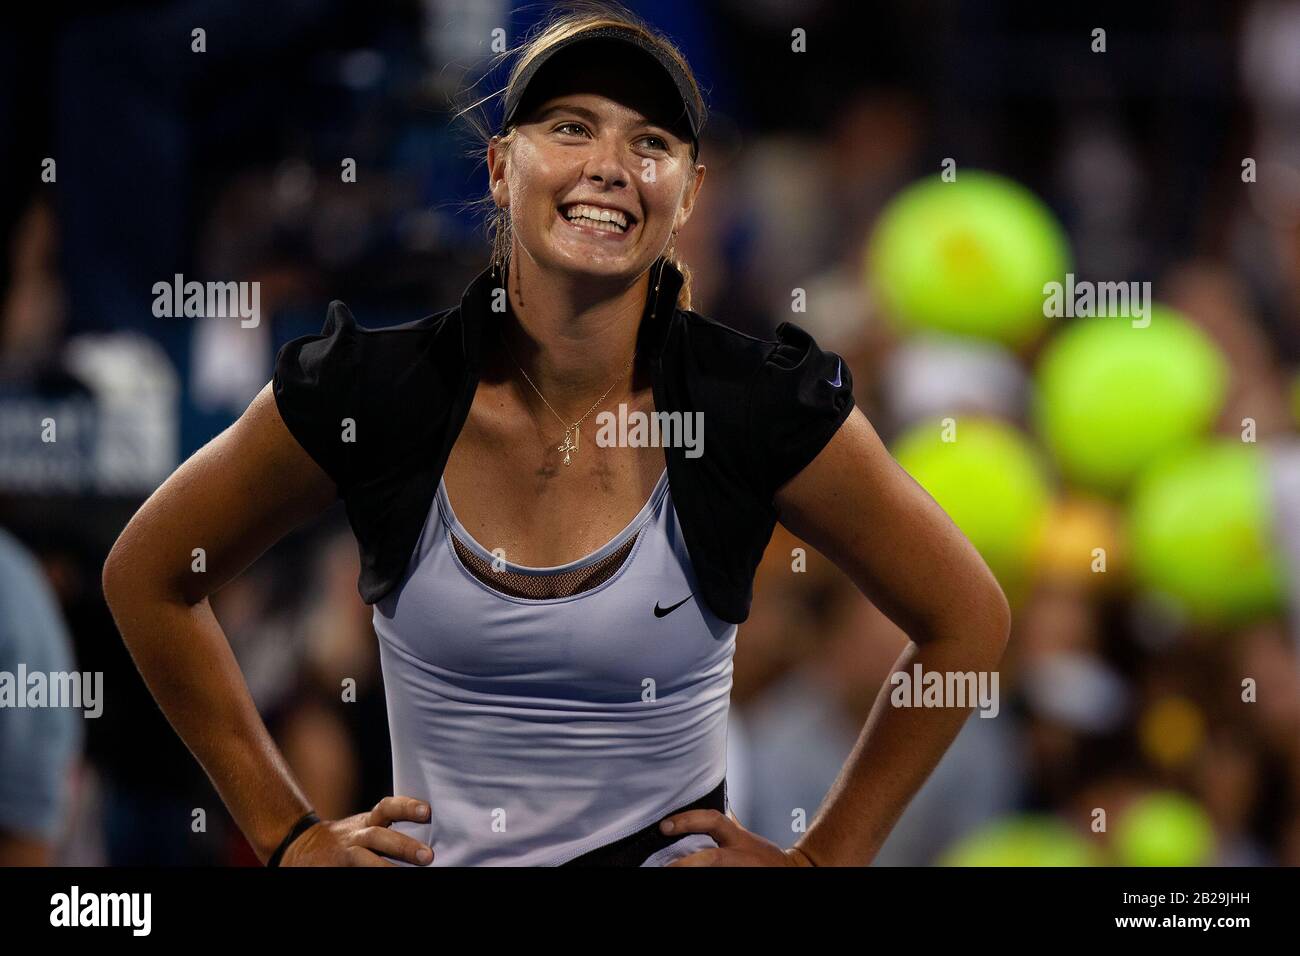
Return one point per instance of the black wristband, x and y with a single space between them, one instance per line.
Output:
308 820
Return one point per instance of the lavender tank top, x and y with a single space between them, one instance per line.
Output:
541 727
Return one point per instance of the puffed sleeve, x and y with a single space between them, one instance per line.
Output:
801 396
315 385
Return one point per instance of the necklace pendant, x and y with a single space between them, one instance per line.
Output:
569 445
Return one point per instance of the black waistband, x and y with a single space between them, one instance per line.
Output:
633 849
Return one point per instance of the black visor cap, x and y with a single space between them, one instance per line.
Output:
687 123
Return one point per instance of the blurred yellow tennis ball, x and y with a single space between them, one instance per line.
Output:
1200 525
989 480
1171 731
968 257
1112 397
1080 543
1026 840
1164 829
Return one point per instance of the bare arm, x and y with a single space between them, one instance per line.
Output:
857 506
234 498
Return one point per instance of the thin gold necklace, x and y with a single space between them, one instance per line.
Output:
572 435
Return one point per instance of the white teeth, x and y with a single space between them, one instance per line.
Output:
598 215
601 226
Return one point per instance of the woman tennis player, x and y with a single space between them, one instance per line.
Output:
557 601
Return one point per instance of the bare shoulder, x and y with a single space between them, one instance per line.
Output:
233 499
857 505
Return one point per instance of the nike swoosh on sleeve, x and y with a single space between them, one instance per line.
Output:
837 381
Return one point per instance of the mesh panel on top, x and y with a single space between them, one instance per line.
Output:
542 586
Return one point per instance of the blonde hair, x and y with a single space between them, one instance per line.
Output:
568 19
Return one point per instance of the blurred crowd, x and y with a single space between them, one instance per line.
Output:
226 165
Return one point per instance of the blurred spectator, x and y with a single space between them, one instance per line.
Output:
39 745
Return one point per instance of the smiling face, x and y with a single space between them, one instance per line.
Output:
596 179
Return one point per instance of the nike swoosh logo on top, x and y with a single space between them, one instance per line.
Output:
665 611
836 383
